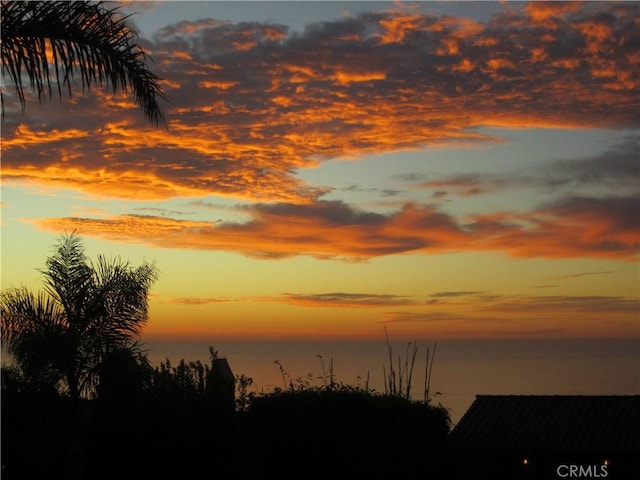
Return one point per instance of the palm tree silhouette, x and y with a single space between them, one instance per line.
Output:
87 311
77 37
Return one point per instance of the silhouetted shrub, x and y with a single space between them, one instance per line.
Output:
161 423
124 376
369 435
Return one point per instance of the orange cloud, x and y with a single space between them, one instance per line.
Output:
397 26
540 11
573 227
24 137
214 84
252 105
345 78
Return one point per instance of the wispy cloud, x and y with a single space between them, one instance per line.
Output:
616 168
161 211
525 306
564 305
582 274
456 293
348 300
457 297
518 315
194 301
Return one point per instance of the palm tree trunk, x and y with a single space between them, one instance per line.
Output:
73 383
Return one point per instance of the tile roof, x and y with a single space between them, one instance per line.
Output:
559 423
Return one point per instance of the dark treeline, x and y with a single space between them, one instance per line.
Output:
182 421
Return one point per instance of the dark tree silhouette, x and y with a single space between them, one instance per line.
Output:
75 38
87 311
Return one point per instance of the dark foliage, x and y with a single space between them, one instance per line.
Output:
348 431
163 422
85 39
89 312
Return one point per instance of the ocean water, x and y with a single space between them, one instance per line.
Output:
460 369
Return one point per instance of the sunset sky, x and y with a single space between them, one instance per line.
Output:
329 169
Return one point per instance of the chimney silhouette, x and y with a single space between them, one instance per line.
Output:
221 386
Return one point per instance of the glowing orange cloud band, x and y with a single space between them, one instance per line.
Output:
584 227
